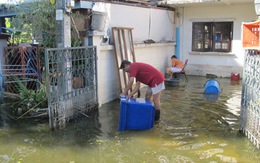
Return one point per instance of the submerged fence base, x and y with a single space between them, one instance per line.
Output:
250 105
71 78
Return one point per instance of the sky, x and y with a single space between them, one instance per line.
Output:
12 1
9 1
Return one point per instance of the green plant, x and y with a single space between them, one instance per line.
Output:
31 100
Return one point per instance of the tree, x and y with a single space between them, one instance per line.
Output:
35 20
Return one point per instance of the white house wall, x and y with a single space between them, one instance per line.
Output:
147 23
215 63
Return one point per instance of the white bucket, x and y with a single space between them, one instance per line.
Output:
98 20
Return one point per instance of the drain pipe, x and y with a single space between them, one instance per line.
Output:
177 49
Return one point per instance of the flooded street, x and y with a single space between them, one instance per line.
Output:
193 128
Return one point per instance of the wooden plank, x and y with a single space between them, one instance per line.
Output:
124 50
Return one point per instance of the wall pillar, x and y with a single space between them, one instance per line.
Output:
3 43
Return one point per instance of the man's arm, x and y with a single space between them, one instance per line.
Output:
136 88
129 85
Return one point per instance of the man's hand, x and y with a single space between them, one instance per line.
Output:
122 94
127 97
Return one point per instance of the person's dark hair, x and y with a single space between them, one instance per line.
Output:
174 56
123 63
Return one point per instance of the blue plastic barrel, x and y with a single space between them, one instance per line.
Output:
212 86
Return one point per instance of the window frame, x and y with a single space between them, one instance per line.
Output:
212 36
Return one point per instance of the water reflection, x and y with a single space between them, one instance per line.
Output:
191 129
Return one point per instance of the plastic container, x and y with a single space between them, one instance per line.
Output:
98 20
136 114
250 34
211 97
172 82
235 76
212 86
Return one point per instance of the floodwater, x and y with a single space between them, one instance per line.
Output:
193 129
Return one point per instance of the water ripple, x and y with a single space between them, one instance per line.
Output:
163 159
192 146
182 159
209 153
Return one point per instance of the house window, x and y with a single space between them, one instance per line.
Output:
212 36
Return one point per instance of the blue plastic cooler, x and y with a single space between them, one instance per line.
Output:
136 115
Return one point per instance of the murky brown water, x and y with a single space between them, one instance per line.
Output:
191 129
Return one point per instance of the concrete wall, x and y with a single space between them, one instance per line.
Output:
147 23
220 64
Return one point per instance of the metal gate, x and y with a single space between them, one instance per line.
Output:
71 80
250 107
23 63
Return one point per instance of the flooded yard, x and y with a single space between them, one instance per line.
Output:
193 128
